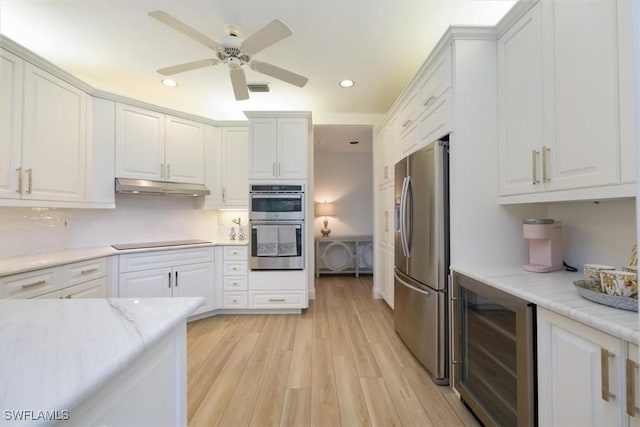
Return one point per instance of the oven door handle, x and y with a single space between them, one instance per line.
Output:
276 196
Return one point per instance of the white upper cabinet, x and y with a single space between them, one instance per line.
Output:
184 150
10 124
521 107
227 167
627 108
278 147
139 143
155 146
559 88
44 137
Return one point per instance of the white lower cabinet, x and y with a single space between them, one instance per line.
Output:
234 277
83 279
177 273
277 299
584 378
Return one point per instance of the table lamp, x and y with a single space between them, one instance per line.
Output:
325 209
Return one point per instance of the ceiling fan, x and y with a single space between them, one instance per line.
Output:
234 52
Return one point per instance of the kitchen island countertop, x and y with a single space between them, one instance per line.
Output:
556 292
54 354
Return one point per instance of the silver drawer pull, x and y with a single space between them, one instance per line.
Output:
30 185
407 123
31 285
19 190
429 101
90 270
277 300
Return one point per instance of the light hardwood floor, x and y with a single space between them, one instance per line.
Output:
338 363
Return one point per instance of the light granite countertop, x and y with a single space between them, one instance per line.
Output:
22 264
556 292
55 353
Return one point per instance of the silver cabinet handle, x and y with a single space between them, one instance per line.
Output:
90 270
604 368
429 101
545 166
19 190
169 279
273 167
30 185
277 300
632 409
168 170
224 199
31 285
407 123
176 279
162 170
534 166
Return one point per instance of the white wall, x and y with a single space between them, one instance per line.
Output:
26 231
345 179
599 233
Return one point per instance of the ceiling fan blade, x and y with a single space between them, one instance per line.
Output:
187 67
271 33
279 73
239 83
180 26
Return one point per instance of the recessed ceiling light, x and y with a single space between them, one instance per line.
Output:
169 82
346 83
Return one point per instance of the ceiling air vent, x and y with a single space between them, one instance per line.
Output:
258 87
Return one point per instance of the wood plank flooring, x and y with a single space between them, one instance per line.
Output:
339 363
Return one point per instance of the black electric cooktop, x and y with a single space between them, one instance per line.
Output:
145 245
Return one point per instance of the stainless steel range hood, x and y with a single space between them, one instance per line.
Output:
142 186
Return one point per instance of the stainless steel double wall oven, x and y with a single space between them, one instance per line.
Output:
276 218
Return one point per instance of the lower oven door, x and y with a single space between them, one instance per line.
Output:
277 246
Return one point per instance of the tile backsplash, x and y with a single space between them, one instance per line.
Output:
137 218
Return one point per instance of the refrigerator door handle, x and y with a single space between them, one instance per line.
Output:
409 201
403 217
413 288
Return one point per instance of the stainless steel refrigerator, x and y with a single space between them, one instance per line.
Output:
422 256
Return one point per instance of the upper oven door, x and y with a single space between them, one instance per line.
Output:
276 206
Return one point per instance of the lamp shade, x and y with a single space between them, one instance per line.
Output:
325 209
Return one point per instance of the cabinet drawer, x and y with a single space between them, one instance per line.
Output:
85 271
31 284
235 268
290 299
436 81
159 259
235 300
237 253
235 283
92 289
436 122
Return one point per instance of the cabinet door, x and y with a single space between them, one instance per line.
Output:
92 289
54 138
146 283
571 381
235 167
521 105
587 128
139 143
212 166
262 148
184 151
10 124
293 142
195 281
628 119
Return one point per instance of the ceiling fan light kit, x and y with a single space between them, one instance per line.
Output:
234 52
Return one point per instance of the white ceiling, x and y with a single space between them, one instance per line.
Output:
115 46
338 138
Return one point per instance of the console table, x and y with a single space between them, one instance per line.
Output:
344 254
